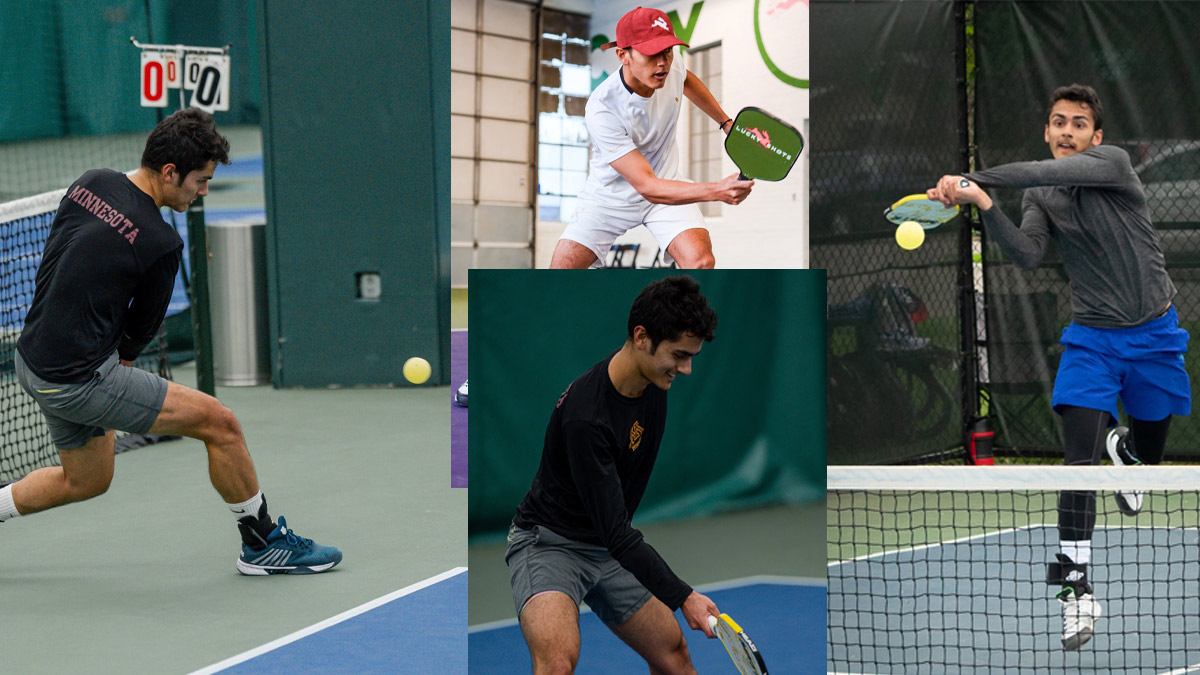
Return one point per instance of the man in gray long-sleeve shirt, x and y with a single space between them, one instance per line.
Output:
1124 340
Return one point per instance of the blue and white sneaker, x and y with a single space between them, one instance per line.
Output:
287 553
460 396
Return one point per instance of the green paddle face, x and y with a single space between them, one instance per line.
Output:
763 146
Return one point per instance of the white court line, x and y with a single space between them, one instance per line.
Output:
936 543
922 547
317 627
706 588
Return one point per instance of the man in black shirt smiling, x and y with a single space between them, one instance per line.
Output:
572 539
101 292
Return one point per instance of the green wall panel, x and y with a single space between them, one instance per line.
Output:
355 183
746 428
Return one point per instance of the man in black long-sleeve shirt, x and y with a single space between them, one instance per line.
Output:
101 293
1124 340
572 538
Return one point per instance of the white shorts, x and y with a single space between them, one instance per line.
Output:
597 225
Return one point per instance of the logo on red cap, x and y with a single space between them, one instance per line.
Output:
645 29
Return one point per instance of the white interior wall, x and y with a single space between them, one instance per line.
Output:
491 139
770 229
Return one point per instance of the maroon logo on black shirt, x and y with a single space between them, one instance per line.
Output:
563 397
100 208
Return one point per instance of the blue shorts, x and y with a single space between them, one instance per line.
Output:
1143 365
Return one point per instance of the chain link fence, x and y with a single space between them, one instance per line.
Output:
886 122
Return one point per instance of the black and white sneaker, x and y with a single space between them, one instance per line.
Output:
1117 446
460 396
1080 610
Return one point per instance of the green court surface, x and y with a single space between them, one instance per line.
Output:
864 523
142 579
776 540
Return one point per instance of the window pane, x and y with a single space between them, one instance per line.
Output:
577 80
549 128
574 131
549 156
575 158
549 182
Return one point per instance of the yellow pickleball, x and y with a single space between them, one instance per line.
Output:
910 235
417 370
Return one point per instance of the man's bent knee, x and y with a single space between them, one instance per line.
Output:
570 254
559 664
678 660
221 426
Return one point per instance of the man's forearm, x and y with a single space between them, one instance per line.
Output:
702 98
675 192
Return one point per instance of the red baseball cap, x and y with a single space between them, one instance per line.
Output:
645 29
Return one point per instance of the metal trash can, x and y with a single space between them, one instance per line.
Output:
237 284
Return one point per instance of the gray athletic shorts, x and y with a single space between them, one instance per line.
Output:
117 397
540 560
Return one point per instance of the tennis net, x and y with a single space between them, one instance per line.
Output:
25 444
944 570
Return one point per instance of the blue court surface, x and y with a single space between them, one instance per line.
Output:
982 605
784 616
418 629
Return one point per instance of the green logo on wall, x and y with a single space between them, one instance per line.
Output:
775 25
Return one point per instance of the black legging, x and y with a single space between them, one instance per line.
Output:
1084 430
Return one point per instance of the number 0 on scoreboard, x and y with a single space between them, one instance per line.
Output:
160 71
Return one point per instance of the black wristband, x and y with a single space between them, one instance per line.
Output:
721 126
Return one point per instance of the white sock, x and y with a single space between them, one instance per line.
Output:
250 507
8 509
1080 552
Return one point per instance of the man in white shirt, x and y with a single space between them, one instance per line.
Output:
634 175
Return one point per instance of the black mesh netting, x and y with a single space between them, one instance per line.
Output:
884 118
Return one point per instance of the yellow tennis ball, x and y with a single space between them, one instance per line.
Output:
910 235
417 370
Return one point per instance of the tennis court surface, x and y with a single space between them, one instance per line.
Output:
142 579
943 569
782 615
369 639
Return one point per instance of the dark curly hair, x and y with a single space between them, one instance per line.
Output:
188 139
1080 93
670 308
